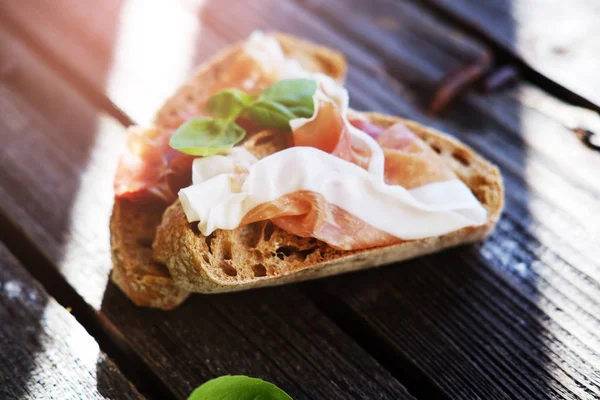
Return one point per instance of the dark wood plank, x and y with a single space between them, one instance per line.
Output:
61 199
556 38
45 352
529 271
276 334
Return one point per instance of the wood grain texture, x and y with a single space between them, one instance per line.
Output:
555 38
61 199
275 334
509 134
45 353
513 318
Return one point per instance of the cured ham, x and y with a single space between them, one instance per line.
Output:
308 214
367 127
327 132
409 161
150 167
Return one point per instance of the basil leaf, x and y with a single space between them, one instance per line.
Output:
291 92
303 111
269 114
227 103
238 387
206 136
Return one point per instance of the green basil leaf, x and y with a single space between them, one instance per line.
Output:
269 114
238 387
291 92
227 103
206 136
303 111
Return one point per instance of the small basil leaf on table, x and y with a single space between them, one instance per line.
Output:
227 103
238 387
206 136
269 114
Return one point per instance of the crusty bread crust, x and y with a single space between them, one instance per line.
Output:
262 254
145 281
133 224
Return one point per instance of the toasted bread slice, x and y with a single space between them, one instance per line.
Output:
261 254
133 223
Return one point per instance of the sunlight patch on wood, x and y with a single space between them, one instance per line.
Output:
542 125
71 352
558 38
155 47
87 241
543 122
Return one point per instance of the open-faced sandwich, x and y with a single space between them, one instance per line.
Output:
256 173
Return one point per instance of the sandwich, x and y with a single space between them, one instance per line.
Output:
257 173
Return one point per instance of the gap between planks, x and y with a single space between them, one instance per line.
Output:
505 56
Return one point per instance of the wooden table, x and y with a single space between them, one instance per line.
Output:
516 317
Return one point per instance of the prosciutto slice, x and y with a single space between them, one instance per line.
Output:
308 214
150 167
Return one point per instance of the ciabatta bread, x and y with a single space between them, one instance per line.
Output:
261 254
133 224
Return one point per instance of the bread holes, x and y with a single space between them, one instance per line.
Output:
228 269
259 270
205 258
249 236
461 158
208 240
287 250
226 250
293 253
268 231
263 140
145 242
435 148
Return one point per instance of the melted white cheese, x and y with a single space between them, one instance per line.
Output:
218 199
